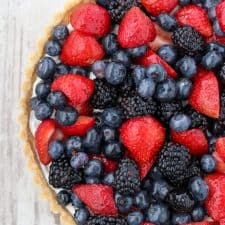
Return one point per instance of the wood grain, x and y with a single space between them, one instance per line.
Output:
21 23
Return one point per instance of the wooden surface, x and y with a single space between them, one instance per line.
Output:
21 23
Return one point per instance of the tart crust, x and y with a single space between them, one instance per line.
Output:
26 135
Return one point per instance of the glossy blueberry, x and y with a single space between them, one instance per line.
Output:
187 66
123 203
198 188
183 218
142 200
73 144
180 122
76 202
212 60
110 44
139 73
64 197
81 216
42 89
78 70
46 68
43 111
79 160
112 117
167 22
123 57
184 2
98 68
160 189
34 102
115 73
210 3
184 87
146 88
61 69
66 116
94 168
135 218
109 179
208 163
158 213
113 151
60 32
216 127
157 72
92 180
217 29
53 48
215 46
108 134
198 214
138 51
56 149
56 99
166 90
168 53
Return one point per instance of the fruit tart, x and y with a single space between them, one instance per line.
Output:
123 113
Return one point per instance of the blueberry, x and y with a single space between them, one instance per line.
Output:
123 203
66 116
92 180
184 2
110 44
46 68
216 127
168 53
81 216
115 73
42 89
98 119
160 189
210 3
92 141
57 99
212 60
180 122
103 3
60 32
53 48
113 151
56 149
167 22
158 213
73 144
179 219
166 90
64 197
215 46
61 69
123 57
146 88
208 163
94 168
147 184
198 214
138 51
78 70
109 179
98 68
79 160
157 72
135 218
112 117
184 87
142 200
139 74
108 134
76 202
198 188
187 66
217 29
34 102
43 111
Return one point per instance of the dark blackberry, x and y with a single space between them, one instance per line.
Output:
127 180
127 88
62 175
222 109
188 40
106 220
104 96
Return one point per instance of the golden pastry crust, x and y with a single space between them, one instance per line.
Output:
24 117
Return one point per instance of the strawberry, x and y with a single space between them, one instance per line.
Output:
98 198
145 167
155 7
136 29
193 139
220 13
84 109
46 132
150 58
202 223
205 94
80 127
81 50
77 88
219 155
143 137
216 39
215 202
196 17
91 19
147 223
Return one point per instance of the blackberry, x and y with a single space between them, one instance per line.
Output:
106 220
127 180
104 96
127 88
62 175
188 40
221 74
222 109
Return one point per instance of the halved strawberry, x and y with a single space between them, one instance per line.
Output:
220 13
193 139
219 155
145 167
151 57
136 29
81 50
98 198
205 94
91 19
195 16
77 88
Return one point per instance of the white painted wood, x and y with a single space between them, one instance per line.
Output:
21 22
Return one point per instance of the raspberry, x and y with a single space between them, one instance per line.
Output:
104 220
